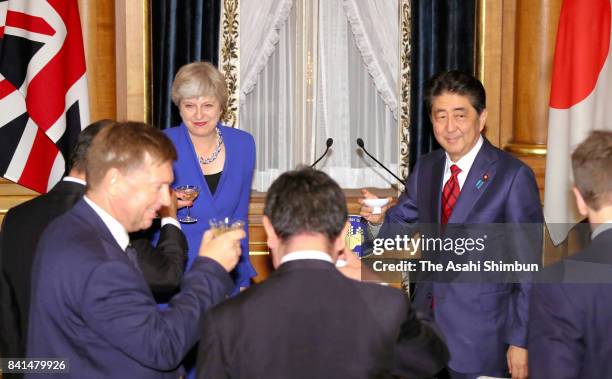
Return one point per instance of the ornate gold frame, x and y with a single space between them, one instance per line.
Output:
405 75
230 58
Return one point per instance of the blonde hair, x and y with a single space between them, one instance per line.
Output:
199 79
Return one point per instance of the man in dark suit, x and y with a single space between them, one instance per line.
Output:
468 181
307 320
8 325
90 303
23 225
570 330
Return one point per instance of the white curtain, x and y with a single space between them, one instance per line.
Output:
375 26
259 33
355 95
350 107
268 111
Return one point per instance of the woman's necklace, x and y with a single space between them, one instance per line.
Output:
216 152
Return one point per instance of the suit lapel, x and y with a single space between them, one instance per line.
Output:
229 154
481 174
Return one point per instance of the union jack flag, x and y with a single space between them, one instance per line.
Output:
43 89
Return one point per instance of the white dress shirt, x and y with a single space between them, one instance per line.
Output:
114 226
601 228
74 180
464 163
306 254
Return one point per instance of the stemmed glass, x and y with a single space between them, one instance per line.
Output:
189 193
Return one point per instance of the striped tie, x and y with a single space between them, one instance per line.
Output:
450 193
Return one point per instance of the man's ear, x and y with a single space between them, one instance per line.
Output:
482 119
583 208
273 240
340 241
112 181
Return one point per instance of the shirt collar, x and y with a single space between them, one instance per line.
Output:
114 226
466 161
306 254
74 180
601 228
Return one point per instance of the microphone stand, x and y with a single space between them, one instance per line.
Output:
362 146
328 144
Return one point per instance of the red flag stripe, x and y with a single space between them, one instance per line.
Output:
6 88
52 73
30 23
61 72
36 172
583 42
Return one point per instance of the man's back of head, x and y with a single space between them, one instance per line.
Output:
305 203
591 162
79 152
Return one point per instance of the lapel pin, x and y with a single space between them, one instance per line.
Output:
482 181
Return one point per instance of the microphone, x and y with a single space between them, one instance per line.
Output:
328 144
362 146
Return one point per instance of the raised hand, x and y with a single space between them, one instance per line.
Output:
175 204
225 249
366 211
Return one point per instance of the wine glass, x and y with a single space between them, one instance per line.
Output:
188 192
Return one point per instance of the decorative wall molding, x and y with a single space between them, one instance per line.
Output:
229 62
405 59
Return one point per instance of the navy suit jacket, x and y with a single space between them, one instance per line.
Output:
23 226
478 320
307 320
570 330
93 307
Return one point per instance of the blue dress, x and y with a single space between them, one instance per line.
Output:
231 199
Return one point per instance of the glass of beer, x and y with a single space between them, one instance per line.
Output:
187 192
224 225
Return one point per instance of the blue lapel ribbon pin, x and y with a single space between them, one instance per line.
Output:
482 181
